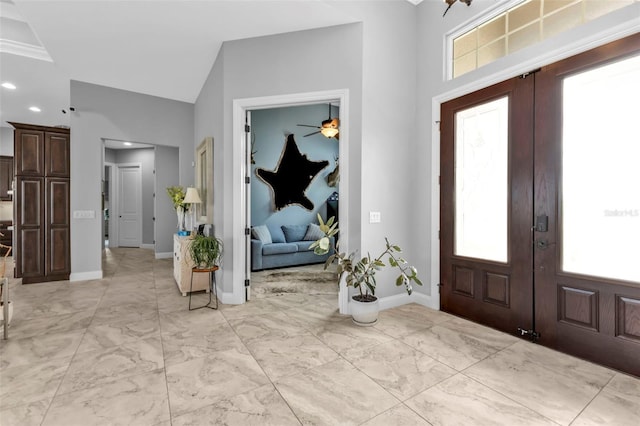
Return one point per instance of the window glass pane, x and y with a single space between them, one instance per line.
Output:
522 15
464 64
491 52
481 181
524 37
562 20
601 172
465 44
492 30
596 8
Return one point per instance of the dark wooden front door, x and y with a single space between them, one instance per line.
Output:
573 230
486 203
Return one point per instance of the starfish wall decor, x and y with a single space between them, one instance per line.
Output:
292 176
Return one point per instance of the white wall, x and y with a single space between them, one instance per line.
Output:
103 112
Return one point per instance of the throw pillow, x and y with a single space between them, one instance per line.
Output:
277 236
261 232
313 233
294 232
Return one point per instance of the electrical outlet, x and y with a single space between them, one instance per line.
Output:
374 217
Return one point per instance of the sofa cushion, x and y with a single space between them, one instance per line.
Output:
277 236
294 232
313 233
279 248
261 232
303 245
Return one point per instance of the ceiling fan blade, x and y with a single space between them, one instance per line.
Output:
307 125
311 133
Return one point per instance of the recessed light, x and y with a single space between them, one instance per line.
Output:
9 86
34 109
127 143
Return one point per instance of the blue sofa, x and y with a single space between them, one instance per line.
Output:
286 245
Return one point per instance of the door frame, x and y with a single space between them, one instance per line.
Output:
137 166
537 56
242 169
113 226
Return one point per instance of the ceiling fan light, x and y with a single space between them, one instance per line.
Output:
329 132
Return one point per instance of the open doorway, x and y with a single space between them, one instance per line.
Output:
157 167
294 179
242 166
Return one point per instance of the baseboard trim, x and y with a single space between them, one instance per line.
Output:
167 255
404 299
85 276
148 246
227 298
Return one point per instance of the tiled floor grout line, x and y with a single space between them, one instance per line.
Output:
592 399
265 373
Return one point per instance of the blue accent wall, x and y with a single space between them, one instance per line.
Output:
269 128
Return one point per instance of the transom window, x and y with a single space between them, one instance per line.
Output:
524 24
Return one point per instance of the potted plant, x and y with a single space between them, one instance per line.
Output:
361 274
205 251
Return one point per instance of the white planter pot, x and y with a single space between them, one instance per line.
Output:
2 312
364 313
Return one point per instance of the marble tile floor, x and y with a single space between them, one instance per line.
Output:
124 350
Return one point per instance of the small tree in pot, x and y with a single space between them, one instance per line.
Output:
361 274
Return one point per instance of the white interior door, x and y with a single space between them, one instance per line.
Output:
129 205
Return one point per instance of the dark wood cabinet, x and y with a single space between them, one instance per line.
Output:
42 206
6 177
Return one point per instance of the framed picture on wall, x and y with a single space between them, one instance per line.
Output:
204 180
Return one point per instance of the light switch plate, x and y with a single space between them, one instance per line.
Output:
374 217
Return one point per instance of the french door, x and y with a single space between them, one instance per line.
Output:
540 205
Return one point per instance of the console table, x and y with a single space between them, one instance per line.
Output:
182 265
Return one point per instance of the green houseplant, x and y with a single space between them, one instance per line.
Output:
361 274
205 251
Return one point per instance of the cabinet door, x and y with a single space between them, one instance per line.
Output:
56 154
57 230
29 152
29 225
6 177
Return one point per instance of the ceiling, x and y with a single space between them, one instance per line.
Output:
160 48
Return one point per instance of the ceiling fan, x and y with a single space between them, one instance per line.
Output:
330 127
451 2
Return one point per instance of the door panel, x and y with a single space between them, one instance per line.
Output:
574 211
486 203
587 280
29 155
58 261
57 155
129 206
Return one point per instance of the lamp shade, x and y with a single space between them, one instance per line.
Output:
192 197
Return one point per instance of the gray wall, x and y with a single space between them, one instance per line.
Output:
280 64
6 141
103 112
146 158
269 127
166 175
